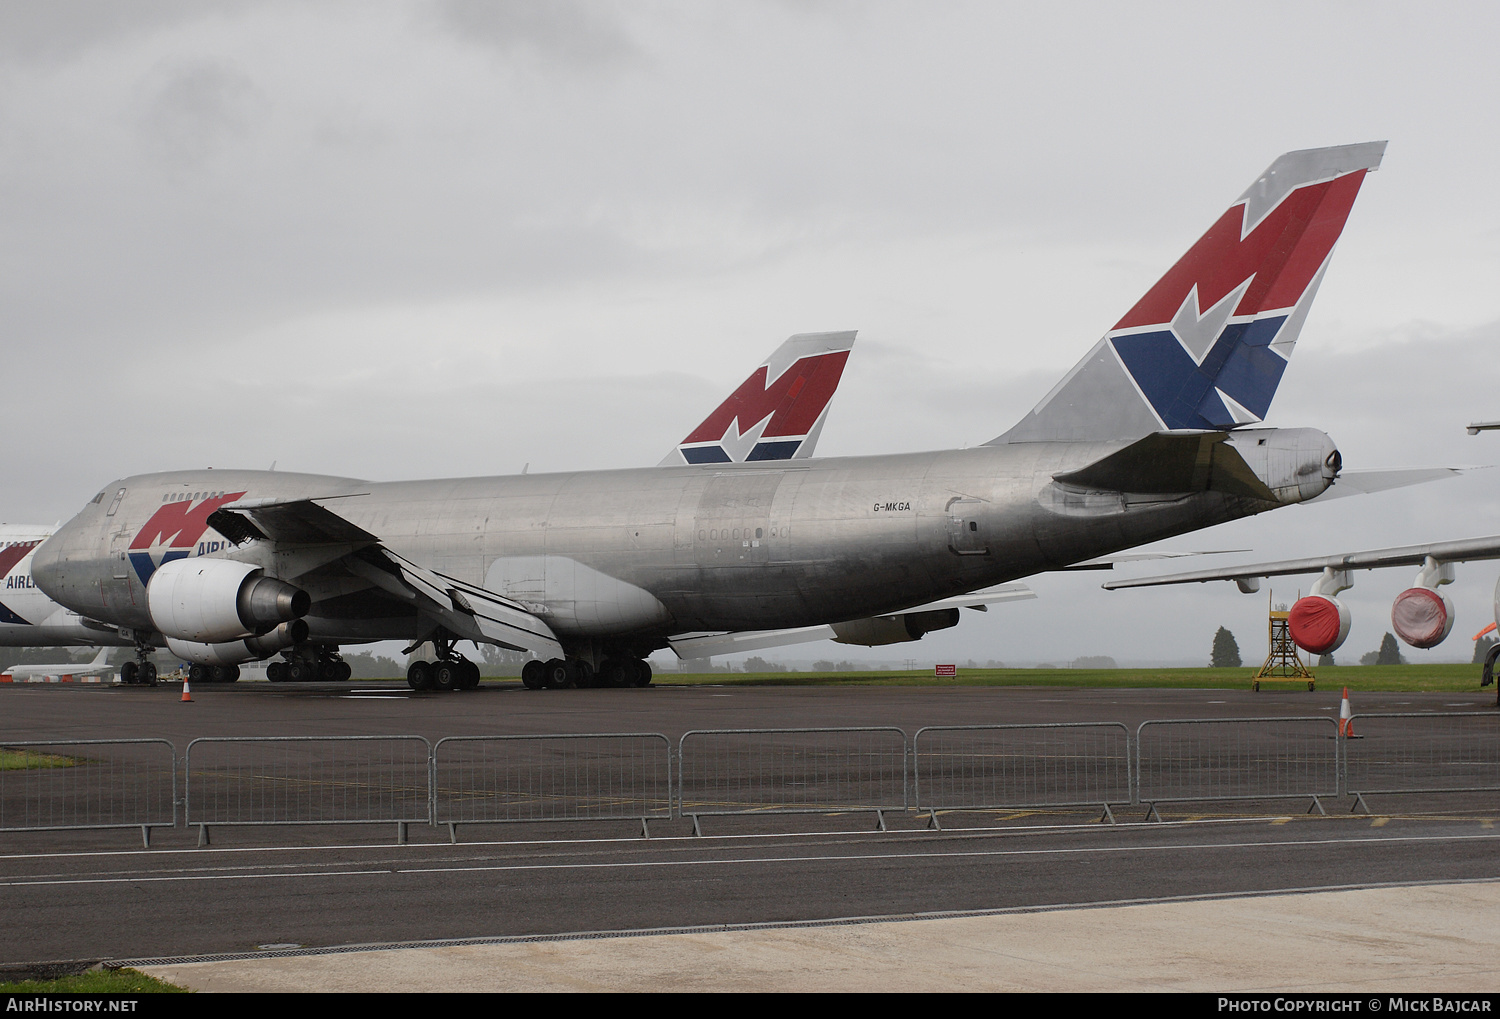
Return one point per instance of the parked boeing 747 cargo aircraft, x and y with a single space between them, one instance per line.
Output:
1156 432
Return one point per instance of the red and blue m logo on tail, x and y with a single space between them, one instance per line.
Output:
1206 347
776 413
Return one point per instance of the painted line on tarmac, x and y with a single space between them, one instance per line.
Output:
760 860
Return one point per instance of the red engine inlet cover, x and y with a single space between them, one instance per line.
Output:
1421 617
1318 623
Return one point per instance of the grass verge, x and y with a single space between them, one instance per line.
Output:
14 759
95 981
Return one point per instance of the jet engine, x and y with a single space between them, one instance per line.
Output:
210 601
236 651
1320 622
899 629
1422 615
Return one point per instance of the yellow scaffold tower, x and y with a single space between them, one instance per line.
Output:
1283 664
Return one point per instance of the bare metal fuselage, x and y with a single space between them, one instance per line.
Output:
629 557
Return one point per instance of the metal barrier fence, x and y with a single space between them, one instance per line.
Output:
1422 753
1237 759
984 767
239 780
583 777
791 771
102 783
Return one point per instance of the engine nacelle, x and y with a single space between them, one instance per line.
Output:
1422 617
210 601
1318 623
236 651
908 626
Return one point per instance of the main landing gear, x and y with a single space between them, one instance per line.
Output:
140 672
213 673
451 671
576 672
309 664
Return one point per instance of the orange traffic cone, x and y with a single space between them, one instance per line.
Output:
187 697
1346 718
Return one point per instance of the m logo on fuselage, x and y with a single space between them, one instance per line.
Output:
172 532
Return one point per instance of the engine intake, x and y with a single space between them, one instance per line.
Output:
1318 623
211 601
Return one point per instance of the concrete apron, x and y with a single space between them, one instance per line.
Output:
1423 938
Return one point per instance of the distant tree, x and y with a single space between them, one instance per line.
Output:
1482 648
823 665
1093 662
1390 652
1226 652
1326 660
755 663
1045 665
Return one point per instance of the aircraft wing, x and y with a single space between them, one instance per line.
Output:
1404 555
709 645
469 611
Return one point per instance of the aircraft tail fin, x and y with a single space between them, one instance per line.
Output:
99 658
1206 347
778 412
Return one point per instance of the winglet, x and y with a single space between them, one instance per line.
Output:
1206 346
778 412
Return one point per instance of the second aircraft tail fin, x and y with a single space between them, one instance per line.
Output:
778 412
1206 346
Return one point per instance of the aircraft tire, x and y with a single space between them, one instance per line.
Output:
148 673
642 672
558 674
419 675
612 673
584 675
471 676
200 674
130 673
445 676
533 675
346 672
276 672
298 672
230 674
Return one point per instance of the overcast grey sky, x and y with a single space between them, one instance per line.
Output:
410 239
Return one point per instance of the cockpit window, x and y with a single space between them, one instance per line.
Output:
116 503
97 499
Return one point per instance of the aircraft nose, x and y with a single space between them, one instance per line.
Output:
46 564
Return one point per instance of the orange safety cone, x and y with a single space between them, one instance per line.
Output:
187 697
1346 718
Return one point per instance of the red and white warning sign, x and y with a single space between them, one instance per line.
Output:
944 670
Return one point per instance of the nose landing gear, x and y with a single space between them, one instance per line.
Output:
142 671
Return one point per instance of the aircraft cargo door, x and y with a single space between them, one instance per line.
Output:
733 521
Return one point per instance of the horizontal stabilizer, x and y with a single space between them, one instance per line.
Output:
1168 462
1365 482
1467 549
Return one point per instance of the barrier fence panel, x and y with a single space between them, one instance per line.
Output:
244 780
784 771
583 777
1426 753
1237 759
109 783
980 767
